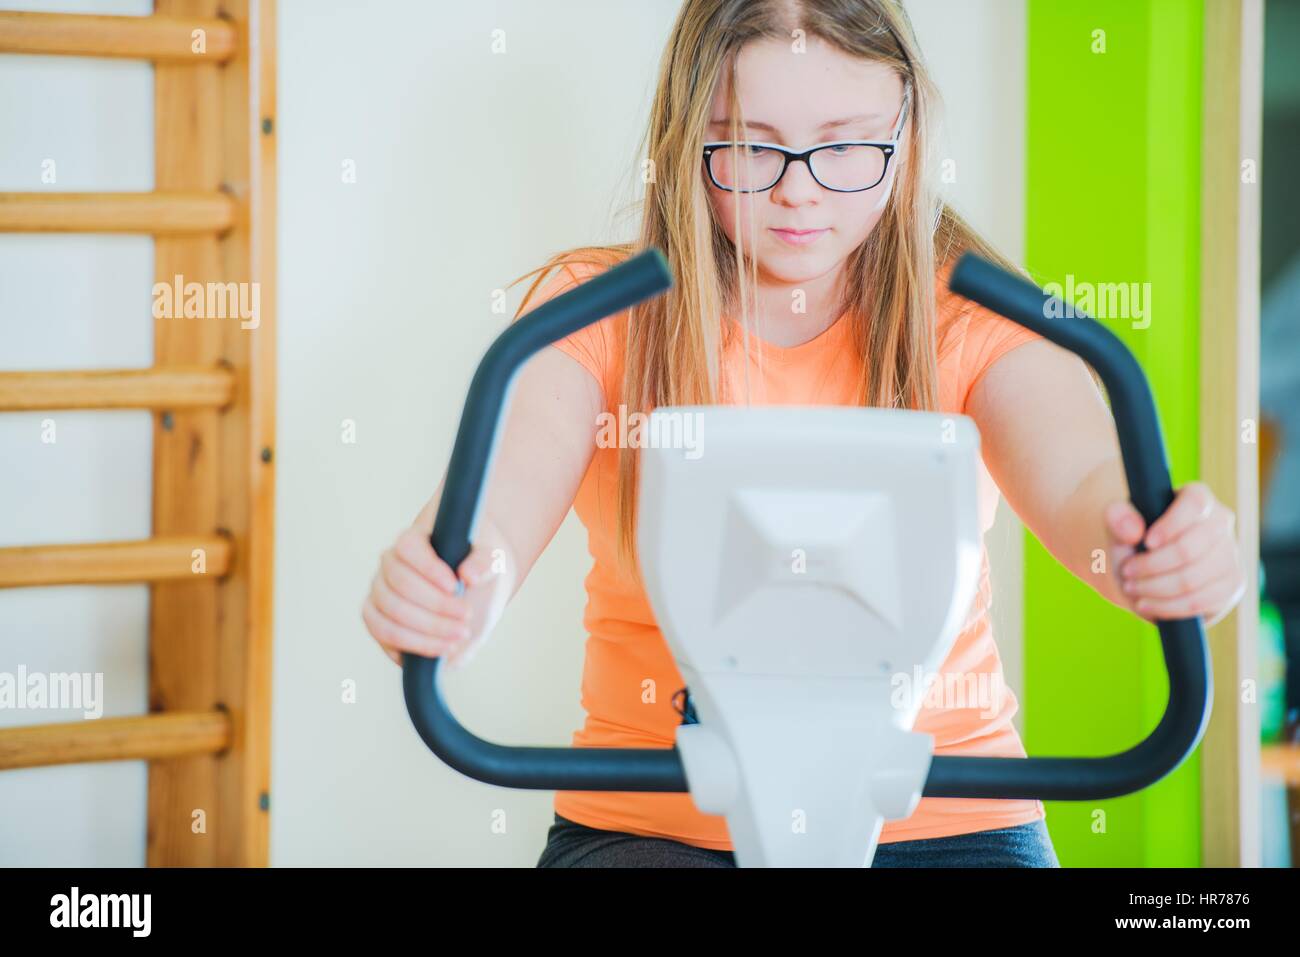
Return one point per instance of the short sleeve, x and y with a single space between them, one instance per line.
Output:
986 338
589 347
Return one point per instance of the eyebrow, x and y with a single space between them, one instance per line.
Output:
832 124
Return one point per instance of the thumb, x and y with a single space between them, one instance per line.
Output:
1125 523
460 656
478 565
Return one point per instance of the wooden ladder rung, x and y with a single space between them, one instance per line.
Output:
100 563
155 213
179 387
144 737
138 38
1281 762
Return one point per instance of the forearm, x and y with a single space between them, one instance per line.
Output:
1050 445
545 448
489 535
1080 539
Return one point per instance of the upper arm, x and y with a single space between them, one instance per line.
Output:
1044 427
547 440
545 448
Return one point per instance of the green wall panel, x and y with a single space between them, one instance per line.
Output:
1113 196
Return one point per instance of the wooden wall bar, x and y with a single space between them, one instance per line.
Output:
212 394
157 213
154 559
139 38
210 641
166 388
114 739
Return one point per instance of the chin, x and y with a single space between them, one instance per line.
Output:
794 268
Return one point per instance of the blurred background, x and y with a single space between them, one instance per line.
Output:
1280 448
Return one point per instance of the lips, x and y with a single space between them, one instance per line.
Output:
799 237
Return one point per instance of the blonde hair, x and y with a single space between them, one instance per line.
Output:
673 343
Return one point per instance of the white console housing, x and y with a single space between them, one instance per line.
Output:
798 560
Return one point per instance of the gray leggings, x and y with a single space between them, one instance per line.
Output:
570 844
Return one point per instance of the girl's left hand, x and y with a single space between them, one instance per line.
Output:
1192 566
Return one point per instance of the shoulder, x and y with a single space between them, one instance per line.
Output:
567 270
958 318
597 347
970 338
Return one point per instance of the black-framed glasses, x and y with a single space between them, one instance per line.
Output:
844 166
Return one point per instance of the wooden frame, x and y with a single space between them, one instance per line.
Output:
212 394
1229 322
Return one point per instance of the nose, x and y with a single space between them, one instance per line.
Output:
797 186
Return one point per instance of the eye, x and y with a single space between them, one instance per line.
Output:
841 148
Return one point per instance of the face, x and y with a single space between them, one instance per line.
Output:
798 100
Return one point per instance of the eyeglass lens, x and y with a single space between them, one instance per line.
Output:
846 167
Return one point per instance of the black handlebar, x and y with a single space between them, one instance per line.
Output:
564 769
660 769
1187 657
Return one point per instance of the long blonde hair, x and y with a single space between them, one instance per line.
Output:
673 343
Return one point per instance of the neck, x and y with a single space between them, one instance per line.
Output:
792 313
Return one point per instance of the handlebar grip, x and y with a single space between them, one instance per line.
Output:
639 278
1187 656
574 769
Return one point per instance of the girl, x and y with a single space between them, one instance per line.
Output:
811 264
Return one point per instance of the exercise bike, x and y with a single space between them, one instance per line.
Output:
788 705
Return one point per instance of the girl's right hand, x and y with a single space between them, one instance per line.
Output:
413 605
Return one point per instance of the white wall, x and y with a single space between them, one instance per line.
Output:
471 167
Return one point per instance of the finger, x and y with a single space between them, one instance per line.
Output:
393 655
1192 504
1119 554
370 614
1125 523
1212 566
412 616
1205 602
415 588
392 635
413 547
1227 608
1183 550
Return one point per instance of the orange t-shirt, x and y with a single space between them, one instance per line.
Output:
625 646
